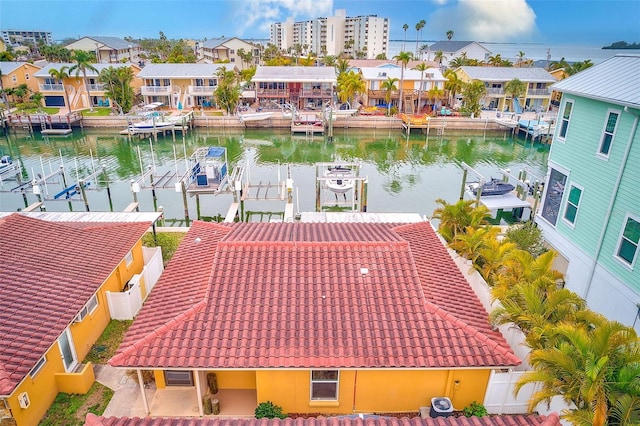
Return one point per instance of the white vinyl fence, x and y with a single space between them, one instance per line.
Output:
126 304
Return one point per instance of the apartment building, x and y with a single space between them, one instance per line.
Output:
363 37
21 37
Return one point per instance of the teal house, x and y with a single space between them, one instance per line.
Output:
590 212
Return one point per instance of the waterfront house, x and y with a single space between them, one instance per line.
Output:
180 85
302 87
590 212
225 49
108 50
53 89
452 49
415 84
317 318
537 80
16 73
57 272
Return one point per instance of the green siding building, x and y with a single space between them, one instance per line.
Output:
590 211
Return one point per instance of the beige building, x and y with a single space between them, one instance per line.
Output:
362 37
16 73
220 50
110 50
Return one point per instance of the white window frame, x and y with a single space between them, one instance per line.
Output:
14 78
312 382
599 153
619 244
89 308
567 203
561 118
36 369
128 259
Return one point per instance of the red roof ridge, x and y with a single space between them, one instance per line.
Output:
474 332
158 332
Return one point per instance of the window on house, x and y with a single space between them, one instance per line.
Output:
41 362
178 378
607 136
553 196
26 76
14 78
88 308
629 241
566 116
128 259
573 202
324 384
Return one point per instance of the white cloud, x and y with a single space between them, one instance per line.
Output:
262 13
485 20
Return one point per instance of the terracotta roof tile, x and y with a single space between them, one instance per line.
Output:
312 295
504 420
49 271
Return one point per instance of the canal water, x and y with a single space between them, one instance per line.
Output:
404 174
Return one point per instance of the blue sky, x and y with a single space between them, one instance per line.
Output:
580 22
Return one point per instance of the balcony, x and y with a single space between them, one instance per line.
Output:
539 92
155 90
380 94
201 90
51 88
96 87
273 93
495 91
316 93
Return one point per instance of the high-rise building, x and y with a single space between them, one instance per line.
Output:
21 37
360 36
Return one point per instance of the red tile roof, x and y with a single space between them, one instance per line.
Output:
49 271
507 420
312 295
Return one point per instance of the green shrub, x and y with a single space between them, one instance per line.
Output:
269 410
527 237
475 409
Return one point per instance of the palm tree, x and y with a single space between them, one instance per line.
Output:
422 67
473 92
596 369
227 94
495 60
453 84
3 92
419 26
455 218
342 65
515 88
404 58
438 57
521 56
60 75
405 27
389 85
349 85
449 35
83 61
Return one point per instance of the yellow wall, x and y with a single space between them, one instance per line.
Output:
236 379
373 390
79 382
20 75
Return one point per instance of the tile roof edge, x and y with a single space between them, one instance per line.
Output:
507 353
119 359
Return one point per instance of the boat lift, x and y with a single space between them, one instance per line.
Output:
358 194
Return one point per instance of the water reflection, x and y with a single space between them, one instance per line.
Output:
405 174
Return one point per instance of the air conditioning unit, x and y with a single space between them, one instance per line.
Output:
23 400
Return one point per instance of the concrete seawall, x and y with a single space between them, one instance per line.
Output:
357 122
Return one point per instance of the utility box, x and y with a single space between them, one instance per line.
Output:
441 407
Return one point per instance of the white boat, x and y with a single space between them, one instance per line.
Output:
255 116
340 179
152 123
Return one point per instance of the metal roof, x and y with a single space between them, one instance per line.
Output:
453 46
537 75
182 70
302 74
9 67
44 72
616 80
100 217
113 42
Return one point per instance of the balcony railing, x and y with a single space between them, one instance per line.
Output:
155 90
382 93
51 88
495 91
96 87
538 92
316 93
202 90
279 93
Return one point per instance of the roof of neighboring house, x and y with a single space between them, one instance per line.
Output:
409 74
616 80
44 71
312 295
9 67
112 42
537 75
49 272
385 63
201 70
453 45
504 420
217 42
301 74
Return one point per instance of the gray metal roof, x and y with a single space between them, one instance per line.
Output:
101 217
182 70
498 74
44 72
215 42
452 46
302 74
616 80
113 42
9 67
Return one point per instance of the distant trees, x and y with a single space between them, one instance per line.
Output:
405 27
449 35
